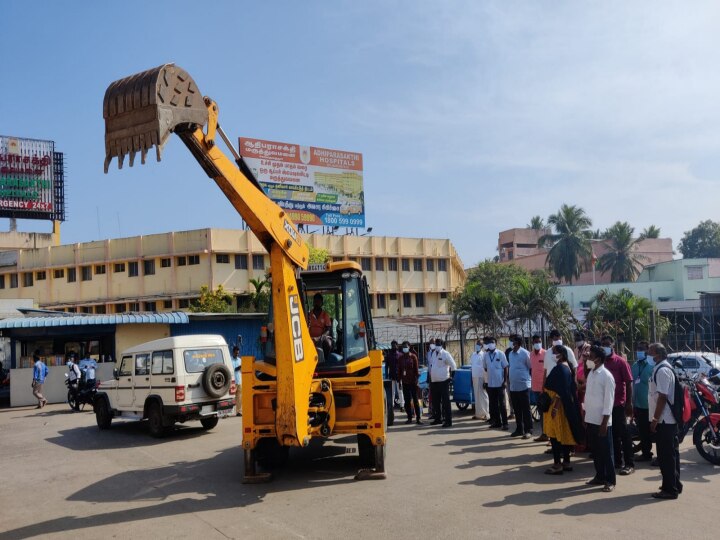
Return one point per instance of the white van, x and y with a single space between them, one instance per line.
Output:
170 380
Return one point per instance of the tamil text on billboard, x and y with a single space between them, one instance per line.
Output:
314 185
30 176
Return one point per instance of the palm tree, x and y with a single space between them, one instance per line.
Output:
536 223
259 299
650 232
623 263
570 250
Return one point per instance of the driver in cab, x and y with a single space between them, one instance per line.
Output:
320 326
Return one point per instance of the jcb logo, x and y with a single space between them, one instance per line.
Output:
296 328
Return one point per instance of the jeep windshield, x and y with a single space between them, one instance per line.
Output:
196 360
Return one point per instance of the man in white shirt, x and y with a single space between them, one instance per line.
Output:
482 404
598 404
442 364
73 377
550 360
88 365
663 424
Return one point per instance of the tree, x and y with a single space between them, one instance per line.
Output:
570 250
260 298
701 242
537 223
623 263
318 255
217 301
650 232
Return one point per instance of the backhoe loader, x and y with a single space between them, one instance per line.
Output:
298 390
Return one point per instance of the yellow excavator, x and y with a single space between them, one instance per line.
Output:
302 388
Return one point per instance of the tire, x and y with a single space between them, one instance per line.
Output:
379 452
425 396
216 380
156 423
702 438
366 451
209 423
103 416
462 405
72 401
270 455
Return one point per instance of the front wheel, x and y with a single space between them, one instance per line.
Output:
103 416
706 442
72 400
209 423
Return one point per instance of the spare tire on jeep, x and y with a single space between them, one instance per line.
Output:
216 380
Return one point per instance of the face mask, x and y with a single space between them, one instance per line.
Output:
590 364
650 360
607 351
537 346
432 346
491 346
641 355
406 350
478 348
557 342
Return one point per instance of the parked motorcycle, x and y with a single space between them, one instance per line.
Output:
79 394
704 423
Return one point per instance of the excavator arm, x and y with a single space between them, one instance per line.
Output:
142 111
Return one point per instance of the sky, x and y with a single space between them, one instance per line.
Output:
472 117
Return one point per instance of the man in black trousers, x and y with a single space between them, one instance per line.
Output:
442 364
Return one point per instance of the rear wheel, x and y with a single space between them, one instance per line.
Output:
366 451
209 423
155 420
72 400
103 416
706 443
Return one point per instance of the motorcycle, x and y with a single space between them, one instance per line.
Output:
704 423
79 394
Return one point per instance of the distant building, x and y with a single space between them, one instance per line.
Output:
520 246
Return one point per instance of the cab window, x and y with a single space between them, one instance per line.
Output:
162 363
196 360
354 327
125 367
142 364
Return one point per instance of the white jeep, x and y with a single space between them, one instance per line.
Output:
170 380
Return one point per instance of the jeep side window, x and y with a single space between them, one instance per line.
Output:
142 364
162 363
125 367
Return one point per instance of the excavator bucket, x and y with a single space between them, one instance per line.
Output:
141 111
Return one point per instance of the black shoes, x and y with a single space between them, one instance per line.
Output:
664 495
516 434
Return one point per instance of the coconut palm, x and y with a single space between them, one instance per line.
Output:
622 261
536 223
650 232
570 250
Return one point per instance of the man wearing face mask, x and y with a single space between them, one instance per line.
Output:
642 370
428 362
550 360
599 399
622 408
519 385
478 376
537 376
408 371
496 366
442 365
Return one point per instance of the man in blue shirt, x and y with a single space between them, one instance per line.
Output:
642 370
520 366
40 371
237 365
496 366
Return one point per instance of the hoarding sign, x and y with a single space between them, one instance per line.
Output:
316 186
30 179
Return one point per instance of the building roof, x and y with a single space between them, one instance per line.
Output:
173 317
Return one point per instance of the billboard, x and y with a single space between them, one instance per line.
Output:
315 186
32 183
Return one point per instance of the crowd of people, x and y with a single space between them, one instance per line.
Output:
588 396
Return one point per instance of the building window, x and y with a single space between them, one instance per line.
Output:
150 306
510 255
393 296
13 281
694 272
366 264
86 309
167 304
417 265
406 265
72 275
442 265
166 262
184 303
430 265
133 306
120 308
133 269
149 267
72 310
392 265
181 261
419 299
59 273
240 262
193 259
86 273
40 276
379 264
380 301
2 282
222 258
258 262
443 295
119 267
100 310
407 300
27 279
99 269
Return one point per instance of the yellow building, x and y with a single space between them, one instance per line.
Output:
164 272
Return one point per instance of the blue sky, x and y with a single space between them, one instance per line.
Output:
471 116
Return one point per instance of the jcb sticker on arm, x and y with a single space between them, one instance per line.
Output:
295 324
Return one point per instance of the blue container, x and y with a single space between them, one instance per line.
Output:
462 393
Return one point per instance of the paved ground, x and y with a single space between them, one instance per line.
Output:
63 478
